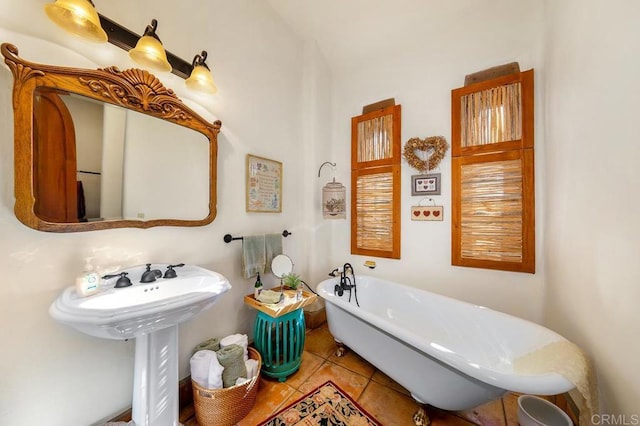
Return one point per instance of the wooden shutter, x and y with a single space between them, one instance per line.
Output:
493 207
375 183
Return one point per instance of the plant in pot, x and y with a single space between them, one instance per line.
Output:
293 281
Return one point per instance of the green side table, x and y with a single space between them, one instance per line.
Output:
280 341
279 333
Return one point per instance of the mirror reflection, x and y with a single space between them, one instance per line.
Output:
95 161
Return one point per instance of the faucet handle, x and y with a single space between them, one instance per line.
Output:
123 281
170 272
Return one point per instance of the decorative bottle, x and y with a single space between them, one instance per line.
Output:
257 288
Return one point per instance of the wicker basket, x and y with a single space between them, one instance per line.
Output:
226 407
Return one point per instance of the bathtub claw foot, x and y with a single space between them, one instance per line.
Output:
420 417
341 349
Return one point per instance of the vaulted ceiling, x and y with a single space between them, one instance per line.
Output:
353 32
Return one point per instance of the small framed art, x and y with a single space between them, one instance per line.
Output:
264 185
425 184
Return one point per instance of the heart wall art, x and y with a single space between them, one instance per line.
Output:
424 213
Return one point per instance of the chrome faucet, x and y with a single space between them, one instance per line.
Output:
150 275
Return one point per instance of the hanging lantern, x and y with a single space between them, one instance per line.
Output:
334 196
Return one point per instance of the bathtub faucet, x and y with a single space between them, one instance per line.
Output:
346 283
344 279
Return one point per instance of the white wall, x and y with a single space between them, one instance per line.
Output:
592 236
50 374
420 76
317 149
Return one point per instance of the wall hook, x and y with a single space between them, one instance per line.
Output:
324 164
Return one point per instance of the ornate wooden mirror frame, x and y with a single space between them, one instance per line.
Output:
133 89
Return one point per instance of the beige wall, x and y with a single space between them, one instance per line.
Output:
592 62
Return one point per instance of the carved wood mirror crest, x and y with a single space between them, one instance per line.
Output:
50 199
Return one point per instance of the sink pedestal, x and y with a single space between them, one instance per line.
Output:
155 379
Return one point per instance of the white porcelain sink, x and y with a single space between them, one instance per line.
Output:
125 313
150 313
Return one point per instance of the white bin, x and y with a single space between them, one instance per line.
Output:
535 411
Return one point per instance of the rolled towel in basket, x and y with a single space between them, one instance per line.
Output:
230 357
236 339
252 368
208 345
206 371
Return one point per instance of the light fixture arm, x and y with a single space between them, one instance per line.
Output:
200 60
151 30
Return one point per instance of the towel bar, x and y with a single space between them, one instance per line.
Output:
228 237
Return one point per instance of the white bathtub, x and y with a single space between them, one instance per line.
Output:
449 354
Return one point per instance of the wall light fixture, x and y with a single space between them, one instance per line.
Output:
149 51
201 78
80 17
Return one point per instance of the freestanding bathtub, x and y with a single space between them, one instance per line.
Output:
449 354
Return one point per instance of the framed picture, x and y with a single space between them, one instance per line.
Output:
264 185
425 184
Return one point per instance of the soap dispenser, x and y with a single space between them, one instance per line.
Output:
88 282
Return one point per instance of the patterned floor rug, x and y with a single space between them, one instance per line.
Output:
327 405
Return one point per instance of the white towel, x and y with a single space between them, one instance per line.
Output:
206 371
252 368
236 339
253 255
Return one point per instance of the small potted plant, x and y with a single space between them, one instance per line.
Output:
293 281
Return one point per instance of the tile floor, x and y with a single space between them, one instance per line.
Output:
387 401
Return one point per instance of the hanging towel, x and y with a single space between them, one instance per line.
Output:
230 357
241 340
82 206
272 248
253 255
206 370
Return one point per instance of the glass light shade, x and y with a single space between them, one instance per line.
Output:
334 196
78 17
150 54
201 80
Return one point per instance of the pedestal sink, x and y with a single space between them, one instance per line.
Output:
150 313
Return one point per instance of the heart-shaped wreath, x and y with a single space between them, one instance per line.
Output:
437 144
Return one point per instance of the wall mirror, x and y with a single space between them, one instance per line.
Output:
100 149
